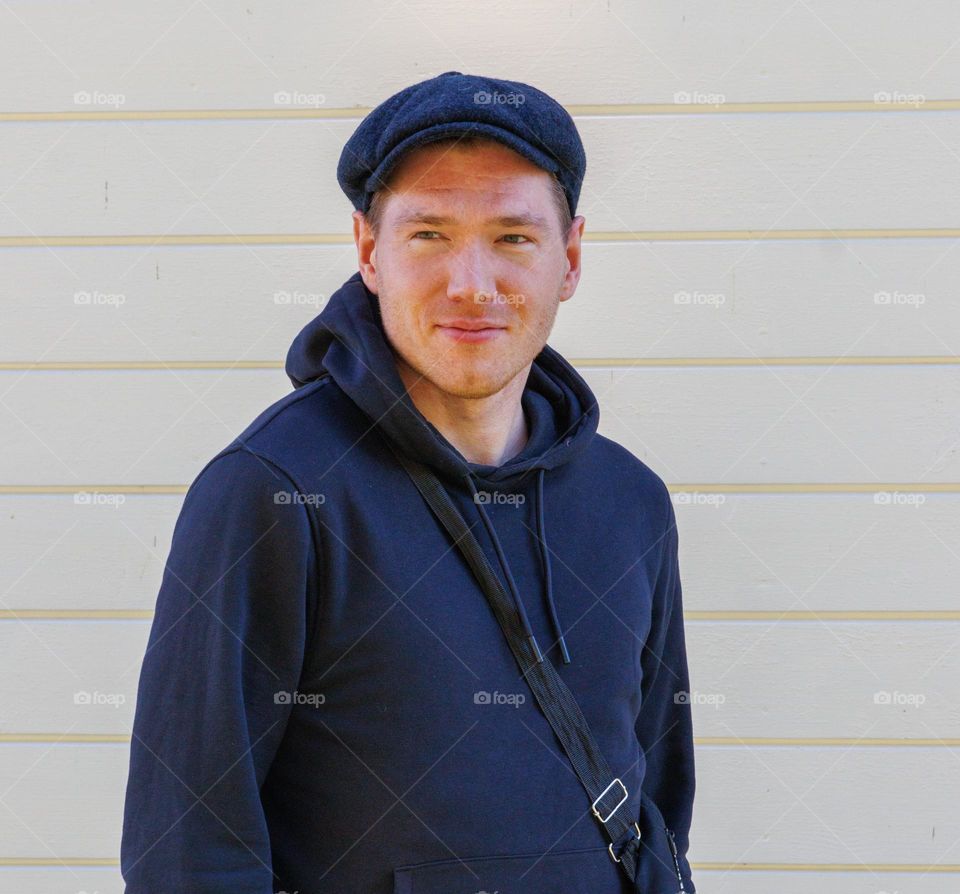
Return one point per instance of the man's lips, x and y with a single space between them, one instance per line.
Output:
471 323
471 330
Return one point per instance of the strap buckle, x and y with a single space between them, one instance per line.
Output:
593 806
616 859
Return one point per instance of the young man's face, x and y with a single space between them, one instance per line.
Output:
443 260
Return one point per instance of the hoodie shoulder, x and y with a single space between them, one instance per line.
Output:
635 479
300 425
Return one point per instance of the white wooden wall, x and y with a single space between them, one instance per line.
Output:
816 168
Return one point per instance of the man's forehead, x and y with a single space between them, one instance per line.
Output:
519 196
485 165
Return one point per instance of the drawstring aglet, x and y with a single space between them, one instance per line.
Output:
564 650
536 648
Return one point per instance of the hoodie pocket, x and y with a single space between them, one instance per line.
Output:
676 858
583 871
659 864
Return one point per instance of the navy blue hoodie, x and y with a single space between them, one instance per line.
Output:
327 703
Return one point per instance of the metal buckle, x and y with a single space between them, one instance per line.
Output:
593 806
616 859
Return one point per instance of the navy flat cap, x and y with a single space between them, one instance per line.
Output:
453 104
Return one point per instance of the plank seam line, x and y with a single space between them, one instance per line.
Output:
576 110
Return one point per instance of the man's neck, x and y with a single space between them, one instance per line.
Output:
488 431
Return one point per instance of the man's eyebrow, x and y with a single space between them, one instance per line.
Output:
523 219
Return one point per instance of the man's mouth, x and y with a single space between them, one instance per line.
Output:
471 330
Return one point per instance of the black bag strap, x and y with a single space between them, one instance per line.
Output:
607 793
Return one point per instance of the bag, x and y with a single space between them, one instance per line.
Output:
607 793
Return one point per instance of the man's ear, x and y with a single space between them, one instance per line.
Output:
574 258
366 250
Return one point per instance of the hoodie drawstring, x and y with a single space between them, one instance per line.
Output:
547 570
545 565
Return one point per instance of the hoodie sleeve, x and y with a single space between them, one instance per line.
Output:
664 725
228 636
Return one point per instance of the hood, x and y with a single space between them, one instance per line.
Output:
347 341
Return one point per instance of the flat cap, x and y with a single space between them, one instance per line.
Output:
454 104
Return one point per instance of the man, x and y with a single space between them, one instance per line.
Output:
327 702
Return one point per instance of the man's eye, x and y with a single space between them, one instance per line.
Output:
429 234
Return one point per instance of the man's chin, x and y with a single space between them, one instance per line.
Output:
466 380
472 383
471 388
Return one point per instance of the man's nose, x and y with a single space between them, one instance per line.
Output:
471 274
